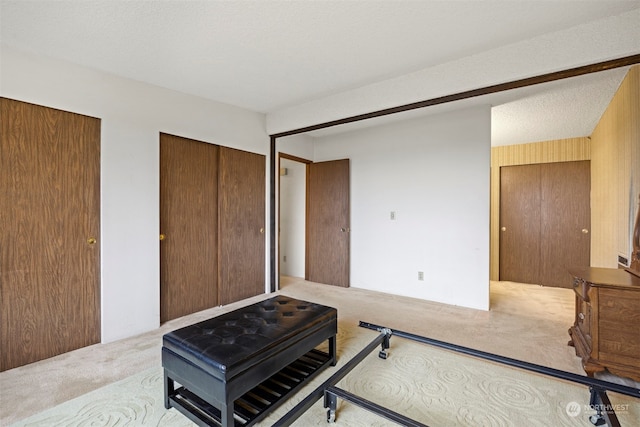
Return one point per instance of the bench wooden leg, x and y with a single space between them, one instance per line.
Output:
226 415
332 350
169 388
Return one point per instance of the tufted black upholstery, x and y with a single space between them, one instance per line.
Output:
228 344
223 359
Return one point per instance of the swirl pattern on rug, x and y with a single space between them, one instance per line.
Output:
434 386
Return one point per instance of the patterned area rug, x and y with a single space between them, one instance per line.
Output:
433 386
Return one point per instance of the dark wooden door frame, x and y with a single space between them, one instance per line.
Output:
530 81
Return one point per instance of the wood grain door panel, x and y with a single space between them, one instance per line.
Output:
188 220
241 227
545 221
520 223
565 220
49 209
328 228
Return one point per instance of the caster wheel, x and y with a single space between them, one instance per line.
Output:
331 416
597 420
382 354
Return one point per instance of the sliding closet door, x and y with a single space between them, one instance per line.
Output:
188 226
520 223
565 220
544 220
241 229
328 226
50 232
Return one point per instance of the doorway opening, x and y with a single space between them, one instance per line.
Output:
314 220
292 183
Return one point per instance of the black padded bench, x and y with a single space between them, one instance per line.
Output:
234 369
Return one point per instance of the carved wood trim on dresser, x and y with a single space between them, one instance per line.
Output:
606 331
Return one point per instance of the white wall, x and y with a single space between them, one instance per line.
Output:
293 218
132 116
297 145
434 173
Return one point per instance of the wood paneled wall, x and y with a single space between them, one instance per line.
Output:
615 174
563 150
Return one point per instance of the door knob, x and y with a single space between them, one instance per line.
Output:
261 230
162 236
503 228
585 231
92 240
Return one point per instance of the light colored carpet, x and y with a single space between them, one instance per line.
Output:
525 322
434 386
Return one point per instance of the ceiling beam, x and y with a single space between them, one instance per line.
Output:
530 81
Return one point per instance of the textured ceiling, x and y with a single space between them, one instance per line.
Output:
556 110
269 55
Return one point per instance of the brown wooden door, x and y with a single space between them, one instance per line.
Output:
520 223
241 229
328 226
49 232
545 220
565 220
189 224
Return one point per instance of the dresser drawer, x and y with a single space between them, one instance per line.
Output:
621 306
619 325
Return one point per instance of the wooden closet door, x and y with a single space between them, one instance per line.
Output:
520 223
50 232
241 229
328 228
544 220
565 220
189 225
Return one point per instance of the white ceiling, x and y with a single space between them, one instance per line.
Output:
529 114
270 55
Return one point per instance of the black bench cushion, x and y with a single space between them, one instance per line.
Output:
232 342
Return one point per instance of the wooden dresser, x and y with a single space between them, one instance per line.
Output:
606 332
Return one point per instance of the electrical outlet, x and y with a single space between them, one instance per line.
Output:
393 215
623 260
420 275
